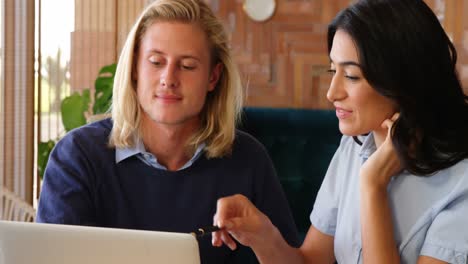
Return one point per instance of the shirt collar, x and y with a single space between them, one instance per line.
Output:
124 153
139 148
368 146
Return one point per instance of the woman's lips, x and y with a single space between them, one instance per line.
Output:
342 113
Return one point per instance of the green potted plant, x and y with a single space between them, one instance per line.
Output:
76 110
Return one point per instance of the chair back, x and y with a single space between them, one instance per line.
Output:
13 208
301 144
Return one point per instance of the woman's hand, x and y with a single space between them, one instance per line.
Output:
384 162
378 240
238 217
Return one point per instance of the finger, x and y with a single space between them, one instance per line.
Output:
227 240
223 207
395 116
226 224
215 236
216 239
390 120
387 124
229 207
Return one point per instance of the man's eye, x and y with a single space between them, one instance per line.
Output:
188 67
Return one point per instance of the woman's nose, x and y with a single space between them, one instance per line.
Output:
336 90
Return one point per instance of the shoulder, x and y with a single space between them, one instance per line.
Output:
453 179
90 135
446 235
97 128
461 168
249 152
246 143
81 151
457 176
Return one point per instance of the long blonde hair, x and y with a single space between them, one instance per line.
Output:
223 105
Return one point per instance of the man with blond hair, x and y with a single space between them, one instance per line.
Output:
170 148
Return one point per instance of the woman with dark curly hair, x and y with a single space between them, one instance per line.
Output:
397 187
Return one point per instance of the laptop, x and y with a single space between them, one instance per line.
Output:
34 243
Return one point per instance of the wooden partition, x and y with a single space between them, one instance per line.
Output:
282 60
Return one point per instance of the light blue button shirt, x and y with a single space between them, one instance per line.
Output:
430 214
148 158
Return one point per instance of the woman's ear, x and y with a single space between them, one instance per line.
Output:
214 76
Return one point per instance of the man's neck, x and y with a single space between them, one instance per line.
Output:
168 143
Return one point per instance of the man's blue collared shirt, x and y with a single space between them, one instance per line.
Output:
148 158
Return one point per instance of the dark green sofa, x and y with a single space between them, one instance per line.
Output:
301 144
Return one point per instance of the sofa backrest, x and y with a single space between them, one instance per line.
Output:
301 143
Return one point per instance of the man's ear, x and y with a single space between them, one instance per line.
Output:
134 74
214 76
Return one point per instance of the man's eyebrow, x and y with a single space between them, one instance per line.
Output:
156 51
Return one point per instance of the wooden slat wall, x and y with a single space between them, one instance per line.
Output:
100 31
128 12
93 43
16 158
453 15
461 40
282 60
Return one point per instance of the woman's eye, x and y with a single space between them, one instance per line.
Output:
352 78
331 71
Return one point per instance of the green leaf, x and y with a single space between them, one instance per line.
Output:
103 89
73 108
43 152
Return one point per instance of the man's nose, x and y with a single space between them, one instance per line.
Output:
168 78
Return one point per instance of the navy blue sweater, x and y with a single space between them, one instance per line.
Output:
83 185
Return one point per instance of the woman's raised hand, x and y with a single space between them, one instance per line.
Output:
384 162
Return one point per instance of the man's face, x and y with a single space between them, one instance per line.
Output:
174 73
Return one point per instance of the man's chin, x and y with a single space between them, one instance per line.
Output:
175 121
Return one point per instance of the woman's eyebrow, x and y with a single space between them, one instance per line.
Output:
346 63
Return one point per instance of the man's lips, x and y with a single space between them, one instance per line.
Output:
168 97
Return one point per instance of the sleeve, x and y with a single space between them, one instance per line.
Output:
325 210
447 236
66 195
271 199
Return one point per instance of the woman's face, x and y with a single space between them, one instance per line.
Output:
359 108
